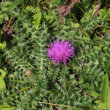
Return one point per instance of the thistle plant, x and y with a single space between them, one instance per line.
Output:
31 82
60 51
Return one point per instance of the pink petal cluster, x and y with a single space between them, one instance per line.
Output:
60 51
28 72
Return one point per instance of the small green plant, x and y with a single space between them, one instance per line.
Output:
104 95
2 72
2 82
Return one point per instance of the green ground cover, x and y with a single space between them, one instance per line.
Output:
29 80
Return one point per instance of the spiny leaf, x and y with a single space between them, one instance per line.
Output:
6 107
105 87
2 83
37 18
105 93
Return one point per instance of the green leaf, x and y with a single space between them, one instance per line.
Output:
50 104
105 14
105 87
37 18
3 16
85 33
94 94
2 45
6 107
3 73
81 80
102 12
87 3
2 84
12 108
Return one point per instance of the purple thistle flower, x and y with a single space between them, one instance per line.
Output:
60 51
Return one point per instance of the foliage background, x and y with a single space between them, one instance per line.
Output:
27 27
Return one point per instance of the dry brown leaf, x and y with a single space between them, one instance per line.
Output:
97 7
65 9
7 29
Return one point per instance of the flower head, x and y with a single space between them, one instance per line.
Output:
17 92
11 75
60 51
28 72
